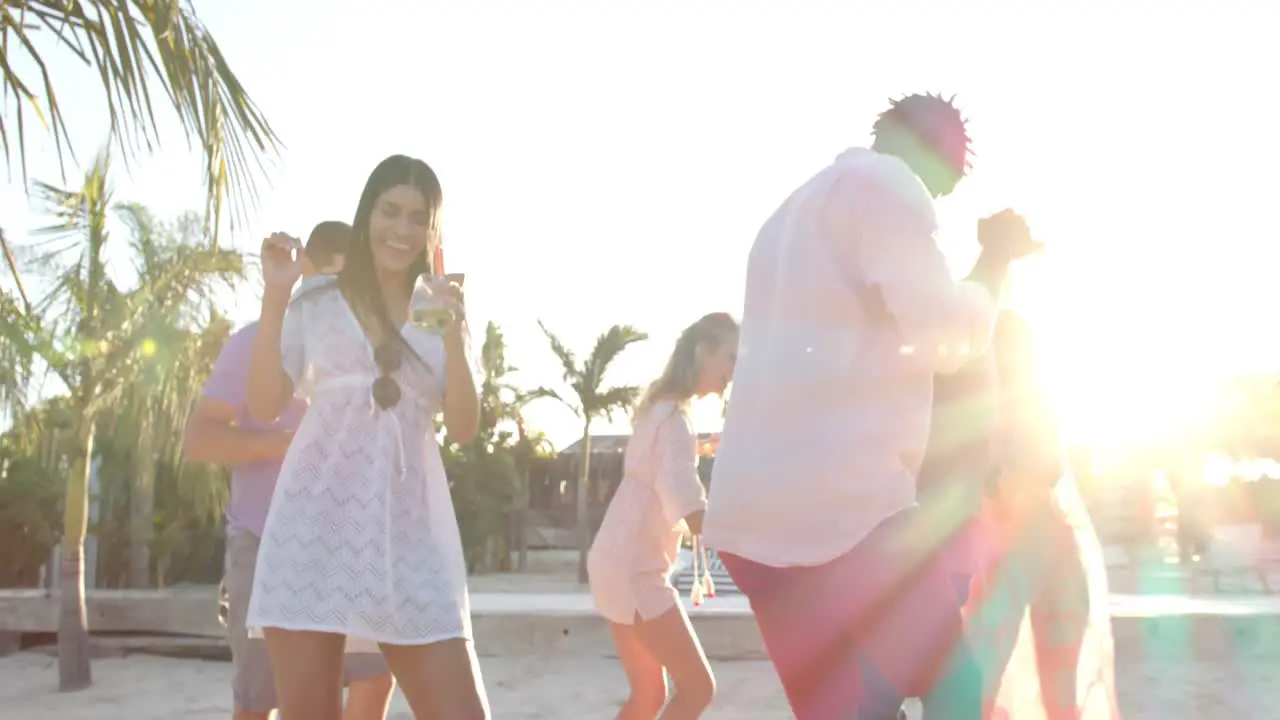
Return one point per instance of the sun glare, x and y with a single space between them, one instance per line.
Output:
1121 410
1115 388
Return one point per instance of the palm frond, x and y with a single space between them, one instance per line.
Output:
143 236
16 354
128 44
615 399
568 363
585 380
521 398
77 214
181 287
493 352
608 347
542 392
96 321
12 264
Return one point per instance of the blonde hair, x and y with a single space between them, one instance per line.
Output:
676 382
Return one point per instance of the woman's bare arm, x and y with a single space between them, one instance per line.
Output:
461 401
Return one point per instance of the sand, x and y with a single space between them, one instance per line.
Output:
141 687
1157 681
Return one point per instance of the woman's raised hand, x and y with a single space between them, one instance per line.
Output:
448 290
281 262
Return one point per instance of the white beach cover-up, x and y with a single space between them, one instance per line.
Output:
361 538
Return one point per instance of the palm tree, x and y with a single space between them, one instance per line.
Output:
502 401
590 401
159 517
92 333
128 45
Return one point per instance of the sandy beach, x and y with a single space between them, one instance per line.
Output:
1166 676
143 687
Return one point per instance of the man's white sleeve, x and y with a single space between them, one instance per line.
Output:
882 221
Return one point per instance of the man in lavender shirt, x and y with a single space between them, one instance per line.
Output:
220 431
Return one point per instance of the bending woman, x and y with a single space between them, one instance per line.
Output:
361 546
660 498
1039 616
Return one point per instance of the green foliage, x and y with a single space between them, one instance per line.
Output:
591 399
16 354
133 356
93 333
30 495
133 48
484 483
143 470
487 475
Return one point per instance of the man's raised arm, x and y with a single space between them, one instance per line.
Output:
212 435
882 221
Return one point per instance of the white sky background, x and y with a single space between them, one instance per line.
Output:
611 162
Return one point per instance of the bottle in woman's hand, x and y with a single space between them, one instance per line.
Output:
440 304
426 309
281 262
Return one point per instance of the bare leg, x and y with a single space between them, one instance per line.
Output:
1059 613
645 676
368 699
308 672
671 640
441 680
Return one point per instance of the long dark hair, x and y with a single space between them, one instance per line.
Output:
358 278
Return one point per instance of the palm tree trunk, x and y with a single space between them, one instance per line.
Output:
524 458
73 624
141 507
522 520
584 487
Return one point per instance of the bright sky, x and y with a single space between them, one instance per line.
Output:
611 162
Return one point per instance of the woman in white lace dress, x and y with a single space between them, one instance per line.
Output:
361 544
659 499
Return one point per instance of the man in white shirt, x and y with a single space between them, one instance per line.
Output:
850 310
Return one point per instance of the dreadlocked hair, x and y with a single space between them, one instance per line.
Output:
676 382
933 130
